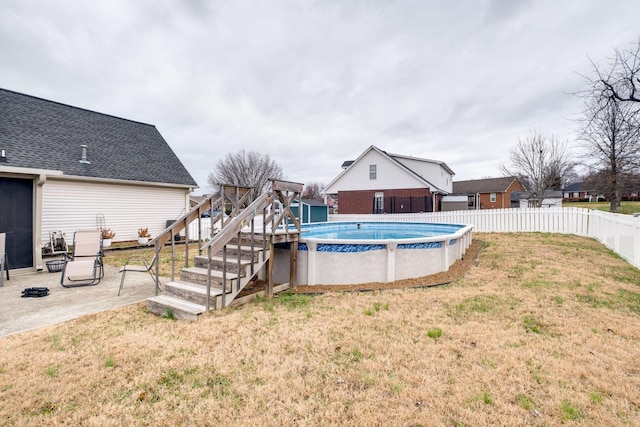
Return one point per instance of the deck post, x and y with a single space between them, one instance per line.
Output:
269 286
293 262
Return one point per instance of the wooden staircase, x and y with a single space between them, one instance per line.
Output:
186 298
233 256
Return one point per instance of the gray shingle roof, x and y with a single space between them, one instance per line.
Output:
489 185
41 134
578 186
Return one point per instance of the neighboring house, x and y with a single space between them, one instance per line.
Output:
578 192
552 199
379 182
489 193
312 211
66 168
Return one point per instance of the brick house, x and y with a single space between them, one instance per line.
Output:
489 193
378 182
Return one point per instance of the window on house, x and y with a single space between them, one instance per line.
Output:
492 197
576 195
373 172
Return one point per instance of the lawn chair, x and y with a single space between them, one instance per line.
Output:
84 266
4 260
145 267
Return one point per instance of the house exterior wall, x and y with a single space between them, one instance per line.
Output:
361 202
388 175
432 172
503 200
71 205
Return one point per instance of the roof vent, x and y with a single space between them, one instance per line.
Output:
3 156
83 159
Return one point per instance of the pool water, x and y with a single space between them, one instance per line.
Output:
376 230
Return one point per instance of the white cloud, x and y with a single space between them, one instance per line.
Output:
315 83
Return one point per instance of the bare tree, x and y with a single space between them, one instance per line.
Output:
312 191
621 81
610 123
541 162
610 133
244 168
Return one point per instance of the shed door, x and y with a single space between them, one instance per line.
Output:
16 219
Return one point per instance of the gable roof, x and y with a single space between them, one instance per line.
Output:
397 157
488 185
313 202
393 158
41 134
577 187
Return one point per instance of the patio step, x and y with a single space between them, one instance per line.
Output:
179 308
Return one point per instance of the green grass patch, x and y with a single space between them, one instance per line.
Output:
627 208
630 299
570 411
622 300
356 355
481 305
434 333
56 342
110 362
526 402
52 371
596 397
531 324
169 314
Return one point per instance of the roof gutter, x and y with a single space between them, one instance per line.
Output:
121 181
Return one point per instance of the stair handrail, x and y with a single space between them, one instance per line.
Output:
237 223
230 230
211 202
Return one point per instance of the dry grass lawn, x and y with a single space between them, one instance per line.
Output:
545 330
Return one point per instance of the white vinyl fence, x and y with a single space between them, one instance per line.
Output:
620 233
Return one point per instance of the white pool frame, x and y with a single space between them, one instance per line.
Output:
386 261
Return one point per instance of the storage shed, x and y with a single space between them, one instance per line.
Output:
312 211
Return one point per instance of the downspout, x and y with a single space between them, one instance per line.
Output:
37 226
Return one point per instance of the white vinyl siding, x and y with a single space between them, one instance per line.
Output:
389 175
431 171
71 205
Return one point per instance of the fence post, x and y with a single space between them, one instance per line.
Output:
636 243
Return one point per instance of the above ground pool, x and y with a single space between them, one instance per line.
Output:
376 230
340 253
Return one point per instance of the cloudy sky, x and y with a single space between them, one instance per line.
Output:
314 83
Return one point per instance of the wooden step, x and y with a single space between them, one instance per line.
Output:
192 292
165 305
245 240
199 275
217 263
245 252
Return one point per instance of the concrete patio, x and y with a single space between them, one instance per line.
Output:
19 314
